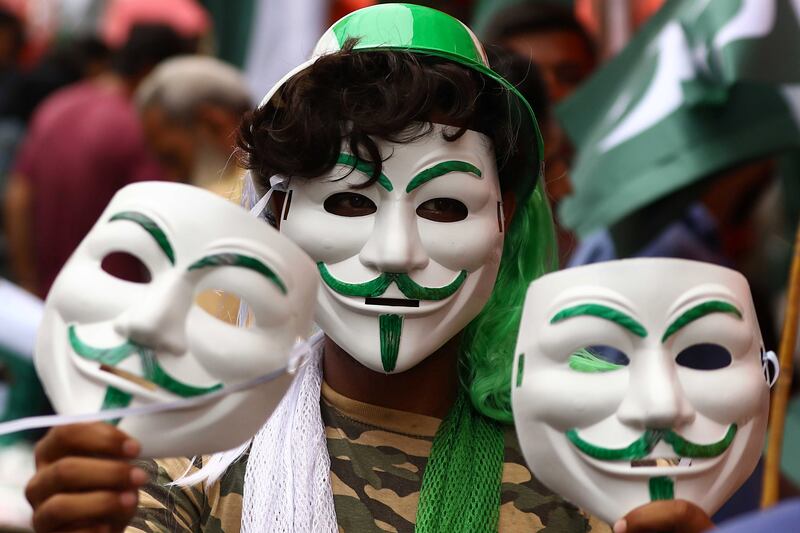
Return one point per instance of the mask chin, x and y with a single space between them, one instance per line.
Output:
399 348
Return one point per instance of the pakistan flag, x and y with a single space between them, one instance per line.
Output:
706 84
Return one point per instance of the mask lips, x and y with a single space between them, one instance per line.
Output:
392 302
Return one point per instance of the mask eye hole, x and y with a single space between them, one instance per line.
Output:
705 356
224 306
126 266
598 358
349 204
443 210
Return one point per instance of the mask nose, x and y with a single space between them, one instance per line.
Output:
655 398
394 245
158 320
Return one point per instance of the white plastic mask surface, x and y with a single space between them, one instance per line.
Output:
399 280
613 436
106 342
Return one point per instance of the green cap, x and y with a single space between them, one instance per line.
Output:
425 31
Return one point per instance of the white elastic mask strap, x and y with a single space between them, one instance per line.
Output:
771 358
276 183
249 194
279 183
301 351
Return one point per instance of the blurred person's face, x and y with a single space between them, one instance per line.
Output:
558 154
195 153
172 144
732 197
565 61
562 56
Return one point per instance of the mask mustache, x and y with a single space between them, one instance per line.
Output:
105 356
376 287
151 369
642 446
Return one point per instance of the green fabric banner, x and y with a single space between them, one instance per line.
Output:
702 87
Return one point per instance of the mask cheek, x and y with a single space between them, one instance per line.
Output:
564 398
322 235
711 394
710 391
465 245
84 293
232 354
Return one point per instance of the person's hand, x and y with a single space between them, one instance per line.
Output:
83 479
665 516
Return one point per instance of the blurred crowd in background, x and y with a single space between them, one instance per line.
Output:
665 135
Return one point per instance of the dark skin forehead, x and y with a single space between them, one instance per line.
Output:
172 144
563 56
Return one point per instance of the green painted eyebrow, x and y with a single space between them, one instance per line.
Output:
604 312
699 311
238 260
440 170
150 227
365 168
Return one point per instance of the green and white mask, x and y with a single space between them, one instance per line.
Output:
640 380
409 260
107 342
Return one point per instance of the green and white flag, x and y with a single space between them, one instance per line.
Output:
705 85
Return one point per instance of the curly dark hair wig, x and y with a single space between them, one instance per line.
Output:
355 97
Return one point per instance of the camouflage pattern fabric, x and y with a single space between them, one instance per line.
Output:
166 509
378 457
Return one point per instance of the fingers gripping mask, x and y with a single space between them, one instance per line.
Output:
409 260
107 342
640 380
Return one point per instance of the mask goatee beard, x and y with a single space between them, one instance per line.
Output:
661 488
391 327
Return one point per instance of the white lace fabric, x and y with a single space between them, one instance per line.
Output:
287 485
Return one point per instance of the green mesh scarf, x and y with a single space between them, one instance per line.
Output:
461 484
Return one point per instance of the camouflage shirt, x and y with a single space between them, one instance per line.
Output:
378 456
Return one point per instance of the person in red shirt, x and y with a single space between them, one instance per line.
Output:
85 142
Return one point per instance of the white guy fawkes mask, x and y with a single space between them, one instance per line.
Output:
652 424
106 342
408 261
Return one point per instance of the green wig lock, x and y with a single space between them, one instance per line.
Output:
487 344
